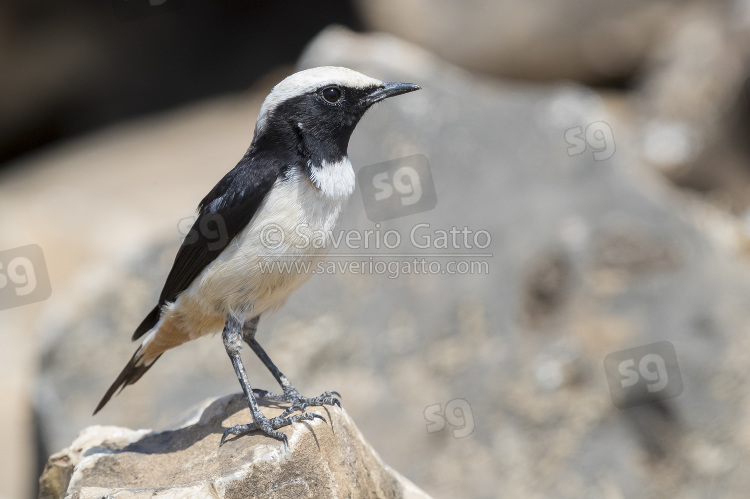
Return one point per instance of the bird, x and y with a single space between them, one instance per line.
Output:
295 174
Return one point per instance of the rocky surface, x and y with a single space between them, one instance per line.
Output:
324 459
592 41
691 104
468 384
682 65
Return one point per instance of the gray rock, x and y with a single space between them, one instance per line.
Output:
588 41
690 102
323 460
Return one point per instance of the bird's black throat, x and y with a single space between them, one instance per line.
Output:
309 132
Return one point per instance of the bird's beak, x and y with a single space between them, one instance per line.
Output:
388 89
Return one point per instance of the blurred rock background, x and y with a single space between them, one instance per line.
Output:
639 237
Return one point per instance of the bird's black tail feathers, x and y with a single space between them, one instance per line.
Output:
129 375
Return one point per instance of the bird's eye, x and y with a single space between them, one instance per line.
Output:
332 94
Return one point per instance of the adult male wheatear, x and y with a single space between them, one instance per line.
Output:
296 173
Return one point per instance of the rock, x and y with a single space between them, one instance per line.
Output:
681 68
603 254
690 104
594 41
324 459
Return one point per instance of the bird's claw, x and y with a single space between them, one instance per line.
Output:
300 403
269 426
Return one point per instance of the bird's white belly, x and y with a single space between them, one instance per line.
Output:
273 256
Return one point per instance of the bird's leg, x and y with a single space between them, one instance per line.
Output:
290 394
233 344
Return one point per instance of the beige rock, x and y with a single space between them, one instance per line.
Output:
588 40
691 104
324 459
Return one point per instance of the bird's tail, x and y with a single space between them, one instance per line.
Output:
129 375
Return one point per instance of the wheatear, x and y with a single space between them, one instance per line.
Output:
296 173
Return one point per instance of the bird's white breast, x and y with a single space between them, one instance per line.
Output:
285 229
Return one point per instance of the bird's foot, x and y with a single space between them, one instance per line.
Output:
269 426
300 403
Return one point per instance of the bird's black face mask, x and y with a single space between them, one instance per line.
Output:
321 122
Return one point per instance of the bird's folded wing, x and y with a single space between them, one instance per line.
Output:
222 214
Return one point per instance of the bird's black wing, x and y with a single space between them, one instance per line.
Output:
222 214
